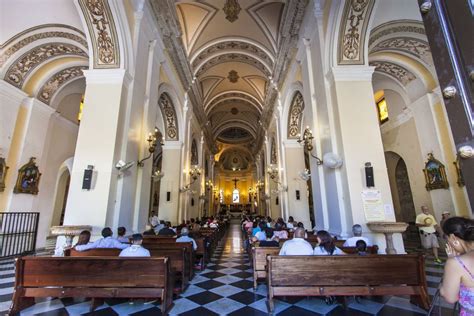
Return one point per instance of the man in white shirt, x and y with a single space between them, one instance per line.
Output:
136 249
106 242
297 246
428 226
185 238
357 232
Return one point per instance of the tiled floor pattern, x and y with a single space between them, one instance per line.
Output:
225 288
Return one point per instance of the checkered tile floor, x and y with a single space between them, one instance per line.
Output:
225 288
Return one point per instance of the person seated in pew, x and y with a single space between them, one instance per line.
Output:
297 246
185 237
270 240
361 247
84 238
279 232
291 223
135 249
149 232
106 242
301 225
255 227
260 234
121 231
357 232
167 231
159 227
194 225
182 225
326 245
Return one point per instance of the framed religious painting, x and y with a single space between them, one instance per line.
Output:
28 178
3 173
460 180
435 174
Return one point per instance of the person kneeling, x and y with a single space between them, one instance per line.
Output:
136 249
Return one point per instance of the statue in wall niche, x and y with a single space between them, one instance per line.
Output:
435 174
28 178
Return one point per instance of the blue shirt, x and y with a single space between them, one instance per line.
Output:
108 242
134 251
187 239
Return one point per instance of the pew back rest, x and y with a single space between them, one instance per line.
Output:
259 256
346 270
92 272
373 250
97 252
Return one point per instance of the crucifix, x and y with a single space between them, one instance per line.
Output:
235 182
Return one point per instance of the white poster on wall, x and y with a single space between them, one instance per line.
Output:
373 205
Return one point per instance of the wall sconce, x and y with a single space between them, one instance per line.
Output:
194 172
209 185
152 140
273 173
260 184
157 175
305 175
329 160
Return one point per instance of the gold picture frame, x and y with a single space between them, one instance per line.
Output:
435 174
28 178
3 173
460 180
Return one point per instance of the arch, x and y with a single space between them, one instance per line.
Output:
233 94
169 115
61 190
176 102
54 83
295 115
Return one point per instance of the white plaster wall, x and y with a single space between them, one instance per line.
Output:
388 10
19 15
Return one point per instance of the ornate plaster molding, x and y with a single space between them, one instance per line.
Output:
232 96
232 57
353 29
408 45
25 64
233 76
38 36
231 10
169 116
58 80
234 46
273 152
194 153
396 27
100 24
295 115
398 72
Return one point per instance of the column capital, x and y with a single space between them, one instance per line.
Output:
13 94
174 144
352 73
107 76
42 107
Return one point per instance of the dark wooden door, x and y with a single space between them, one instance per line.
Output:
449 27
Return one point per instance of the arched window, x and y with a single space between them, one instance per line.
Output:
235 196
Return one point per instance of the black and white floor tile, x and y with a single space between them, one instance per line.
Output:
225 287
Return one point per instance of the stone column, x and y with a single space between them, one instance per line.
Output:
98 144
168 209
361 142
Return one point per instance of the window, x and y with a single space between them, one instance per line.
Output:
382 110
81 107
221 196
235 196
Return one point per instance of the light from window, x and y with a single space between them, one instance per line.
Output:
235 196
81 107
221 196
382 109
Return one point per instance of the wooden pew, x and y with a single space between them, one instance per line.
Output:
159 243
179 259
259 262
95 277
372 250
347 276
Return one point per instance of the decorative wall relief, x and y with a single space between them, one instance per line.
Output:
101 27
194 153
28 178
169 116
233 76
25 64
231 10
353 29
3 173
295 115
435 174
273 153
411 46
57 81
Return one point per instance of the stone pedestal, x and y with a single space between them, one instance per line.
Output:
388 229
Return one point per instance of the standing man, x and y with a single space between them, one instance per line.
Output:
428 227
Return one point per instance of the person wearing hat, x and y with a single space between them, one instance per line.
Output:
428 226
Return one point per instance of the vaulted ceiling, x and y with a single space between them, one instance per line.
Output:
235 53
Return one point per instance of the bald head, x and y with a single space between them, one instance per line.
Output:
425 209
299 233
